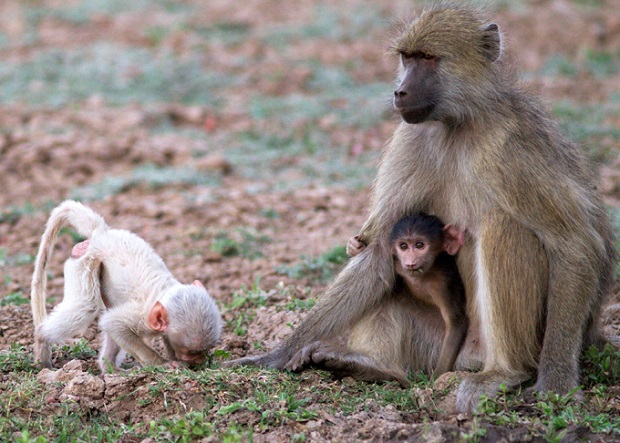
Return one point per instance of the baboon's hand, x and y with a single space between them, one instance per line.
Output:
355 246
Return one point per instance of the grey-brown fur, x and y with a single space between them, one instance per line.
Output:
539 256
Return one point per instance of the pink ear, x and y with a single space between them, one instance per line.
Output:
198 284
453 239
158 318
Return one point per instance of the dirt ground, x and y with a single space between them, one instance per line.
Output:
176 173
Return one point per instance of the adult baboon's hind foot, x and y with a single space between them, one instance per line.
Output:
343 362
303 358
488 383
271 360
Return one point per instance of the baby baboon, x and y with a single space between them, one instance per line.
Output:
423 250
117 276
483 155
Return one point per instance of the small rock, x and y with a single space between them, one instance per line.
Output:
425 396
85 385
74 366
314 424
68 397
449 380
47 376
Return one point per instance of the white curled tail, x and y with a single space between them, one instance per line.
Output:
69 213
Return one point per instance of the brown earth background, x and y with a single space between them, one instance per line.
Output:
240 139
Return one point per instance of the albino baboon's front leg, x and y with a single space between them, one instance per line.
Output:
108 354
122 325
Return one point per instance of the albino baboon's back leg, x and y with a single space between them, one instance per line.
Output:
511 314
80 306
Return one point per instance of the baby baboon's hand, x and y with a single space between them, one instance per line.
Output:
355 246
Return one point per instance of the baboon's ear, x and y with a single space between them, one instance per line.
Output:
158 318
491 43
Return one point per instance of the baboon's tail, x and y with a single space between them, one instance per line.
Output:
68 213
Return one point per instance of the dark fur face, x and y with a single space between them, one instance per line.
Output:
416 241
445 53
420 224
419 90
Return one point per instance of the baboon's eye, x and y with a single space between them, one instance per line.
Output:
419 245
403 246
418 55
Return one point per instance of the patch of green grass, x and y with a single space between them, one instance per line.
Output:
558 65
290 407
120 75
21 258
4 40
591 125
601 366
254 152
330 22
225 33
15 298
64 427
80 13
195 426
78 350
270 213
244 304
552 415
287 143
556 413
504 5
15 359
245 242
334 93
297 304
154 177
225 245
602 64
590 3
12 214
323 267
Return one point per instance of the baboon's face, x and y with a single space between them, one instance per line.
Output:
416 253
418 91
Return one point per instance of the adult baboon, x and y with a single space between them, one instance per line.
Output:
481 154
